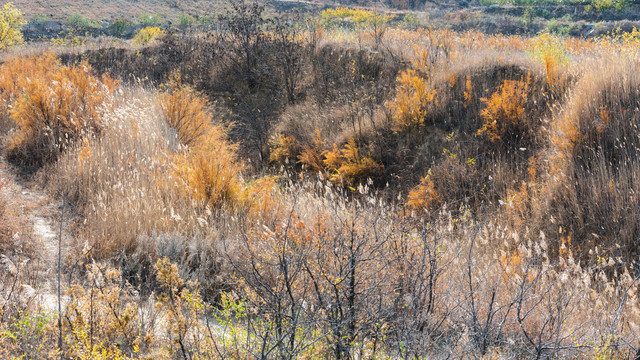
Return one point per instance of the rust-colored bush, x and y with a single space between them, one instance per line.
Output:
412 101
52 106
283 149
208 168
210 172
311 155
504 114
423 197
348 165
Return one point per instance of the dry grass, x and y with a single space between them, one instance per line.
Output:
516 237
593 163
208 168
143 197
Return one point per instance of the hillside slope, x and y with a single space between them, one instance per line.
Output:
59 10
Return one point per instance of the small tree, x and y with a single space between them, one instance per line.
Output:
11 20
186 21
119 26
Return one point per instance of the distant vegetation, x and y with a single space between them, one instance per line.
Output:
11 22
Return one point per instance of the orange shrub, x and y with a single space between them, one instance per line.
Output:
53 105
468 92
186 111
311 156
348 165
505 110
208 168
424 196
340 165
210 172
412 100
16 68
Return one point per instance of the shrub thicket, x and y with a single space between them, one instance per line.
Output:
497 183
52 105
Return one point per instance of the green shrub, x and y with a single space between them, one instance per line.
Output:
206 21
186 21
148 20
119 26
80 22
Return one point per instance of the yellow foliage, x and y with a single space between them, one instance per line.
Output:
147 35
70 40
360 17
102 321
183 306
504 109
412 100
552 53
11 23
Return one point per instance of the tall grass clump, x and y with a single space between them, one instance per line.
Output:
176 175
594 162
141 211
117 207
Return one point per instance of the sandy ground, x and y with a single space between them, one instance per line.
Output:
38 215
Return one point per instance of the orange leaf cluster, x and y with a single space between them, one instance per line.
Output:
505 109
284 149
348 165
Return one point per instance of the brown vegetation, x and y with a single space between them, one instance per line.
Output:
365 197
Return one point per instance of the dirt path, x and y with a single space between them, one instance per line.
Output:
39 215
